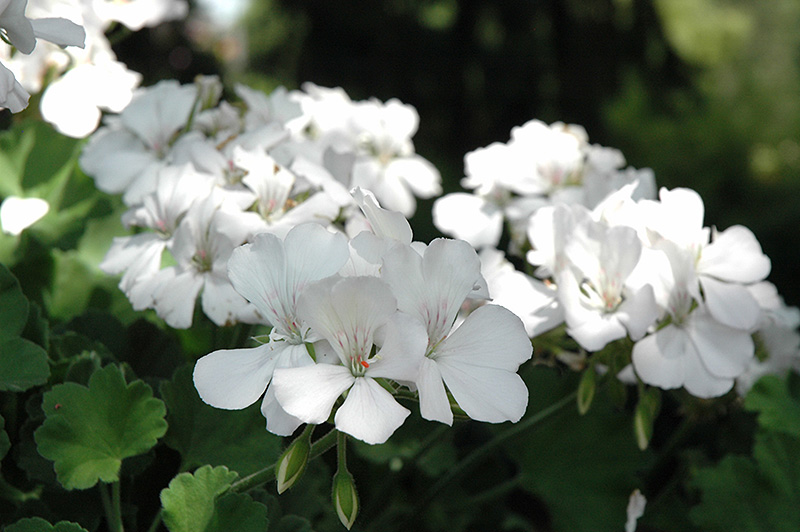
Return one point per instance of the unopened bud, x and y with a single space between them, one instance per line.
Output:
292 464
345 498
586 390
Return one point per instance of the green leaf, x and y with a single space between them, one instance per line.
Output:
777 408
583 467
206 435
195 503
37 524
89 431
23 365
237 511
13 305
292 523
761 494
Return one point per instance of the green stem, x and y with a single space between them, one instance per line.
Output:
495 491
341 451
475 456
156 522
268 473
112 506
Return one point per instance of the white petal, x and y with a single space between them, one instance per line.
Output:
235 378
404 343
308 393
433 402
17 214
270 272
469 217
384 223
175 295
278 420
423 178
730 303
370 413
725 352
478 362
433 288
735 255
347 311
223 304
702 383
659 357
639 311
59 31
491 336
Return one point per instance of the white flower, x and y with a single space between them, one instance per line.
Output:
270 273
386 162
73 102
139 256
124 156
694 350
17 214
721 265
533 301
349 312
478 361
23 32
12 95
201 254
599 303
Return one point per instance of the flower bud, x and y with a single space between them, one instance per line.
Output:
645 415
292 464
586 390
345 498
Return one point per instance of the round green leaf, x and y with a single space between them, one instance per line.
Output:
23 365
37 524
13 305
192 503
89 431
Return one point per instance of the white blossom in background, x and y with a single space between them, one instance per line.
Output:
777 336
89 80
540 165
126 154
17 214
23 33
377 135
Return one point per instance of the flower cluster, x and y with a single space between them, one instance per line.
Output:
79 83
611 261
368 318
203 176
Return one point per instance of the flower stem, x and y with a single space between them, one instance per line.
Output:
156 522
113 506
464 465
263 476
